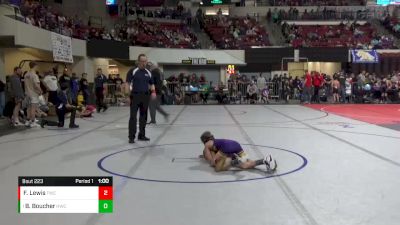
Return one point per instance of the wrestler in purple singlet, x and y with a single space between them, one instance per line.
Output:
229 147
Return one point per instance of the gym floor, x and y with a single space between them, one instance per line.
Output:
334 167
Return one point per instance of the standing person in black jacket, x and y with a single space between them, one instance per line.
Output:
155 103
84 87
65 80
140 84
100 82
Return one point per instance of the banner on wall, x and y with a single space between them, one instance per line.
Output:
62 48
365 56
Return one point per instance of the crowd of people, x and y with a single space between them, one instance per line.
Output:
178 13
34 96
236 32
346 34
165 35
137 32
339 88
392 24
226 32
342 87
38 14
276 16
174 88
313 87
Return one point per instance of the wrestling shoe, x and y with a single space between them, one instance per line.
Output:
270 163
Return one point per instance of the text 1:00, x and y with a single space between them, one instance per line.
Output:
104 181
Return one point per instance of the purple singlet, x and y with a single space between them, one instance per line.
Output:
227 146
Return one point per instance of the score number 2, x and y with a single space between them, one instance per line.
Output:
105 193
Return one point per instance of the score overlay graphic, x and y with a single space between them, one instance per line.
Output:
65 195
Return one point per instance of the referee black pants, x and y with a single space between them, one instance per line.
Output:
100 99
139 101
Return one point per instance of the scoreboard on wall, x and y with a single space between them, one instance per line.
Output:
111 2
216 2
388 2
65 195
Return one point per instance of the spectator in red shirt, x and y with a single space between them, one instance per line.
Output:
318 81
307 87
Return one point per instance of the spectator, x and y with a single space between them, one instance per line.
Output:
74 89
327 85
205 92
84 87
118 85
384 90
178 93
202 79
342 86
307 88
286 89
51 83
221 95
62 107
100 82
317 83
65 80
261 82
297 87
32 91
252 90
335 90
17 93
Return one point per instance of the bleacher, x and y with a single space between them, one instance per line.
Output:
352 36
167 35
250 33
315 2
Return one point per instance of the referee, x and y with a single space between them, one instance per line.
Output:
140 85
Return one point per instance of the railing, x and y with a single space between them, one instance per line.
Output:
115 94
236 93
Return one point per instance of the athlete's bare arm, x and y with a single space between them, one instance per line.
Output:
208 154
